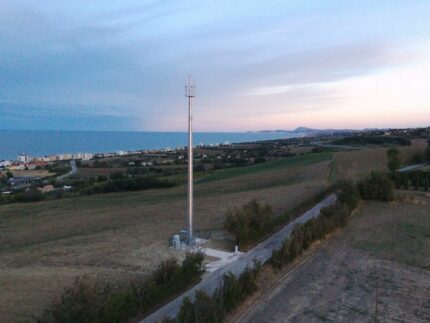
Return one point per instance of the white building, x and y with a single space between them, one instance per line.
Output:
24 158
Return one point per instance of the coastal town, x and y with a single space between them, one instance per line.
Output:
30 178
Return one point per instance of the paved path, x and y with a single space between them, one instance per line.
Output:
261 252
411 167
224 258
73 170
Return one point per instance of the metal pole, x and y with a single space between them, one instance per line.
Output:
190 162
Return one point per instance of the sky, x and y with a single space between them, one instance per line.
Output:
122 65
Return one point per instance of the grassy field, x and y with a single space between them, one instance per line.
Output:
35 173
301 160
359 163
122 236
382 258
89 172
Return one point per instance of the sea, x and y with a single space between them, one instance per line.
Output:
38 143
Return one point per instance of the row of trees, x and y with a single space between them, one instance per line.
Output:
97 302
128 184
253 221
213 308
417 180
330 218
427 152
376 187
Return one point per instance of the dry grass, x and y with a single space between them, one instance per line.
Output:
34 173
384 251
119 236
359 163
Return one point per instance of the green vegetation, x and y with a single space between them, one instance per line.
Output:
248 223
119 183
31 195
59 168
206 309
418 179
303 235
88 301
303 206
394 159
252 222
363 140
377 187
427 152
302 160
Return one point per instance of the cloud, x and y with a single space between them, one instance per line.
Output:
130 58
36 117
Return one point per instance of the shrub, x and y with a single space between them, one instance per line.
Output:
101 178
394 159
31 195
205 308
377 187
427 152
227 297
186 313
88 301
349 195
330 218
249 223
417 159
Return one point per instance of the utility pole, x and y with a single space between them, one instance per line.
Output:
190 93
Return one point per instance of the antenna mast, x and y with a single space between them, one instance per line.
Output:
190 93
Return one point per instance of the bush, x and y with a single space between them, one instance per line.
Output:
227 297
31 195
349 195
205 308
186 313
377 187
427 152
88 301
101 178
330 218
394 159
249 223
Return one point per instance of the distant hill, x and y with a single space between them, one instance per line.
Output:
311 131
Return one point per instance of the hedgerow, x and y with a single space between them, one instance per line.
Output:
213 309
94 302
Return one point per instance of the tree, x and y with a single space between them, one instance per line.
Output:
349 195
186 312
377 187
205 308
9 174
248 223
427 153
394 159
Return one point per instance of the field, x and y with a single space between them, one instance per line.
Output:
89 172
358 163
377 269
123 236
119 237
32 173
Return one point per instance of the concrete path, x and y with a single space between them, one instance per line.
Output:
262 252
411 167
73 170
225 258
